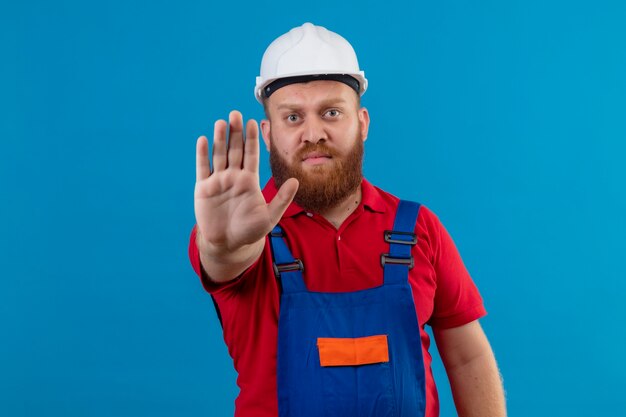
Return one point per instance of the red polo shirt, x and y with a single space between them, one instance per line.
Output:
337 260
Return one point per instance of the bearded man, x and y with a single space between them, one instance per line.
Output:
324 283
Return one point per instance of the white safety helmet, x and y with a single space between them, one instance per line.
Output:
306 53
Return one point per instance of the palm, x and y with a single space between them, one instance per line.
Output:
230 209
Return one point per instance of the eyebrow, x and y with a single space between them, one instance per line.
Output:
324 103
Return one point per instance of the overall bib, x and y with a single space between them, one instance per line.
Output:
353 353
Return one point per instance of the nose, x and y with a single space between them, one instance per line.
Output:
314 130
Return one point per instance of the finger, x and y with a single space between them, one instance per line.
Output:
235 140
203 169
283 198
251 148
219 146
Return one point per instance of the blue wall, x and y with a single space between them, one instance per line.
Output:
505 118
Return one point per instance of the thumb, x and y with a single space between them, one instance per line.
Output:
283 198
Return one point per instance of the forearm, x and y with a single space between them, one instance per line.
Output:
222 265
477 387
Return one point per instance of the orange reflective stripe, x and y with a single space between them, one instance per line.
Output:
353 351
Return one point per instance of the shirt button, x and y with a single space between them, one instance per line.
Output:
309 214
338 237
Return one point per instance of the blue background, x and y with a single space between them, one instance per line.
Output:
505 118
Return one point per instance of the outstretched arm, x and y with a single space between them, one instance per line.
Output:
231 213
472 371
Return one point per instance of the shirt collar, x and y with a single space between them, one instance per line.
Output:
370 197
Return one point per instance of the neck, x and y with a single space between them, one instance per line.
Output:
339 213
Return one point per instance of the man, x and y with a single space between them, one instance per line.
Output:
323 282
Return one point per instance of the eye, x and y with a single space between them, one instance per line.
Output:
333 113
292 118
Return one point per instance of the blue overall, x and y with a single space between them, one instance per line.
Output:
394 386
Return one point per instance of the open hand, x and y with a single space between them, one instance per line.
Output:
229 206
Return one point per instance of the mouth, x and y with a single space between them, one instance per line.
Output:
316 158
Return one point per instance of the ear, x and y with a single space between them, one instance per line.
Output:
265 131
364 122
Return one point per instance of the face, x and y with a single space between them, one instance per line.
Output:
315 133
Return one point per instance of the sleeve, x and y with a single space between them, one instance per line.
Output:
209 285
457 300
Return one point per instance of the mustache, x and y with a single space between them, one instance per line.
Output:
309 147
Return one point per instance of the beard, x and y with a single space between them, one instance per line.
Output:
322 186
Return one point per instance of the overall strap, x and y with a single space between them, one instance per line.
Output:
287 269
401 239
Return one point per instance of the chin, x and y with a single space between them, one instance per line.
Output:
317 170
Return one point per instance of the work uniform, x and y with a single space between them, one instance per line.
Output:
341 260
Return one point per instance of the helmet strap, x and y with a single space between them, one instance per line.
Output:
282 82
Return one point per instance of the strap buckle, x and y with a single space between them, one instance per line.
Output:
392 236
296 265
386 258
